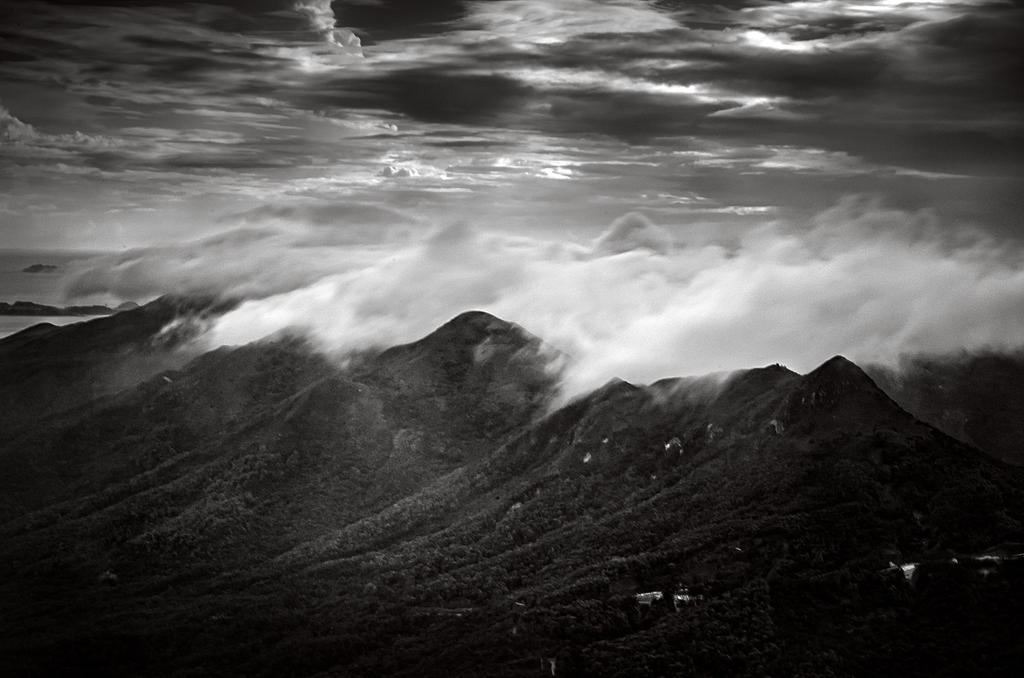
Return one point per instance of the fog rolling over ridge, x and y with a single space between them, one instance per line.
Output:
425 510
640 301
604 338
655 187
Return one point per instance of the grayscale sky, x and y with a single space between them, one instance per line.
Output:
738 181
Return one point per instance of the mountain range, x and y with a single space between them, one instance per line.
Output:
435 508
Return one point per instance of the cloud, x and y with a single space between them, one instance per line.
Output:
556 21
529 116
14 130
861 279
411 170
399 19
353 218
25 137
758 108
432 94
321 19
633 231
397 171
242 263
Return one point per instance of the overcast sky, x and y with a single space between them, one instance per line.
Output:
263 146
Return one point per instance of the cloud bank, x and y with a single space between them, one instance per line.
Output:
640 302
12 129
186 109
722 132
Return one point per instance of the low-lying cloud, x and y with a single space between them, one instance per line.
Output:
633 231
640 302
243 263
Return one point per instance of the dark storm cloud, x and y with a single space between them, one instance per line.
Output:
378 20
747 105
187 68
173 59
436 95
194 98
254 6
817 83
803 76
468 143
10 55
974 55
631 116
980 54
935 95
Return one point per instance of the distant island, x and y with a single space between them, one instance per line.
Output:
40 268
29 308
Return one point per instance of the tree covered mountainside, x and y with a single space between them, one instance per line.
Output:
976 398
430 509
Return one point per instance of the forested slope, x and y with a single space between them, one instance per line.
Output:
426 510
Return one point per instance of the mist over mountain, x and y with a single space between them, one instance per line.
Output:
512 338
438 508
50 369
641 300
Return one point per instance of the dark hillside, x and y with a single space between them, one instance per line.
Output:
975 398
263 511
48 369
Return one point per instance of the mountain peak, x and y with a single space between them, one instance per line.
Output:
474 326
839 364
476 318
464 334
840 391
841 375
442 498
474 342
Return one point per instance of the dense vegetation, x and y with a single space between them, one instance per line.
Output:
425 511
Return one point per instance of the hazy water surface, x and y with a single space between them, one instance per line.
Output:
42 288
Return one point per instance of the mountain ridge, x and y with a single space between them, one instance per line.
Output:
424 510
973 397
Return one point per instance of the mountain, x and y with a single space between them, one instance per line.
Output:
430 509
48 369
977 398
